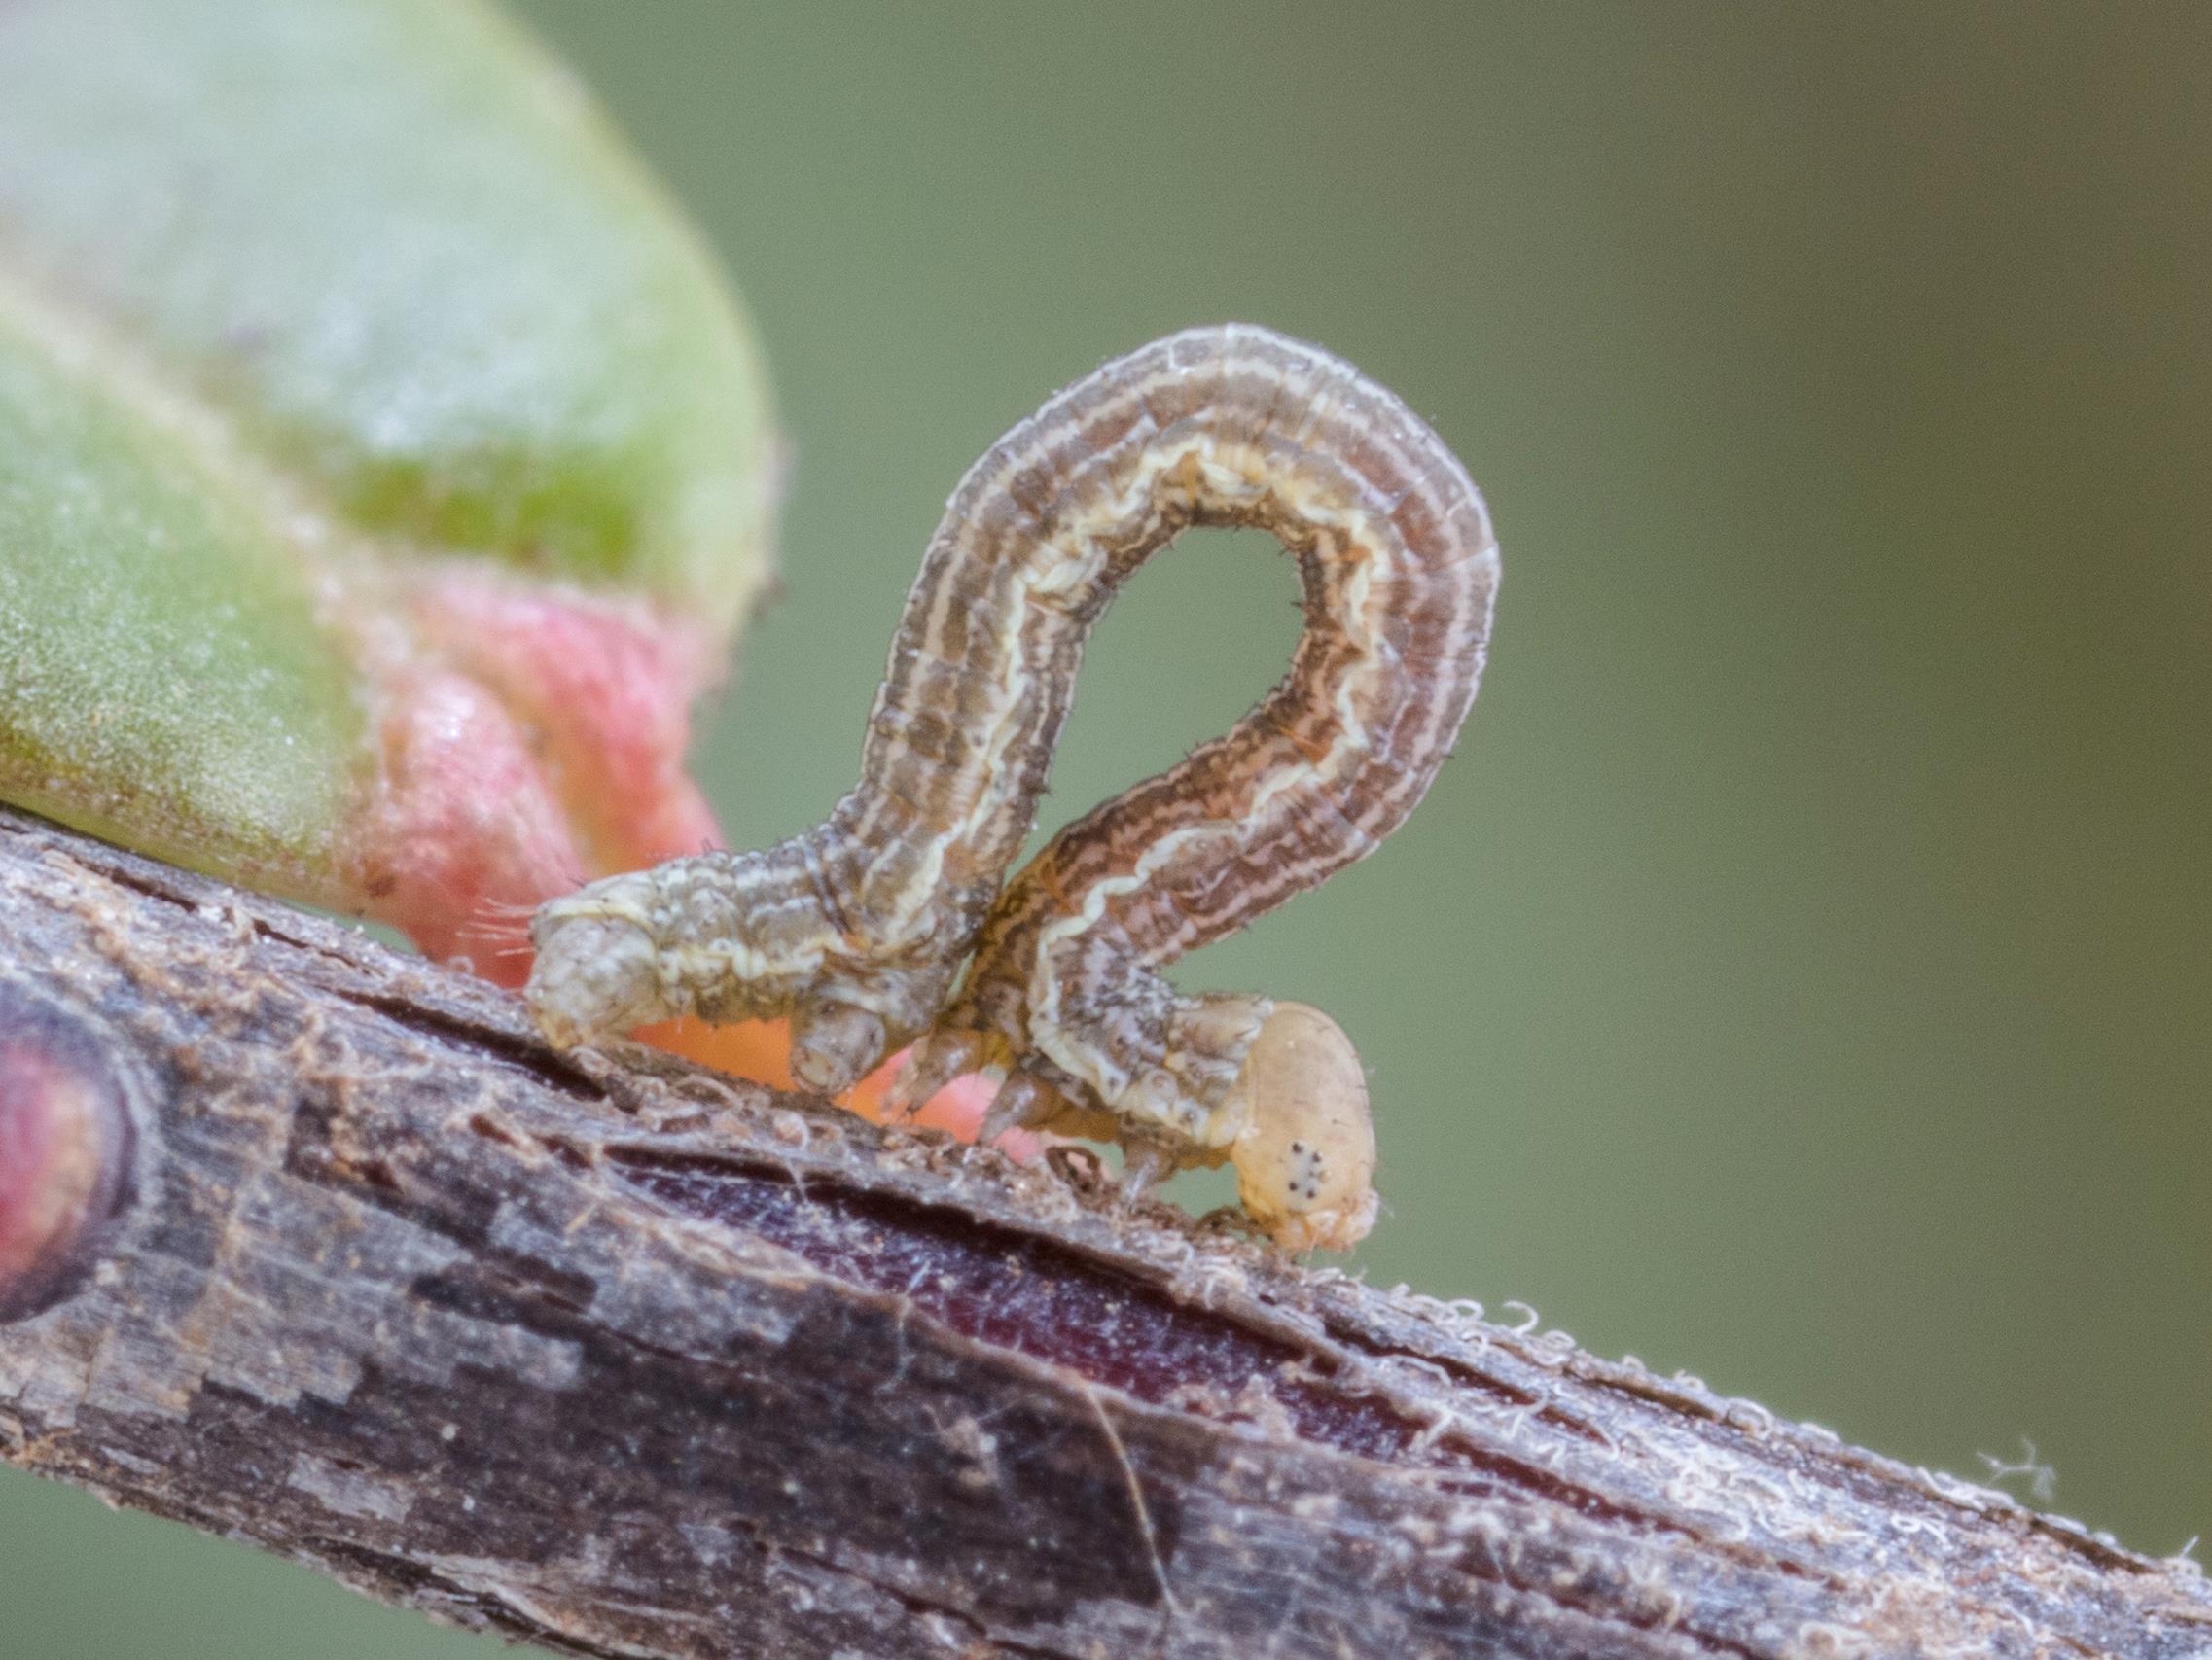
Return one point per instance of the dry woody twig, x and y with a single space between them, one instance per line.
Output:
308 1243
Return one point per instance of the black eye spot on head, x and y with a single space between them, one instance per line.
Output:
1298 1146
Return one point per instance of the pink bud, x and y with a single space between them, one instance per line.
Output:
66 1153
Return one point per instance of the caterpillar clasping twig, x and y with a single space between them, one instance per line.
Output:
858 928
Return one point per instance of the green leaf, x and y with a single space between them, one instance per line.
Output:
162 678
300 299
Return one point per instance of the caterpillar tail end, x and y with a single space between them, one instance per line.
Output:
594 975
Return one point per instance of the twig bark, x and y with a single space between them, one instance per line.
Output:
626 1359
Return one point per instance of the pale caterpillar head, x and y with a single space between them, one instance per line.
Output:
1305 1158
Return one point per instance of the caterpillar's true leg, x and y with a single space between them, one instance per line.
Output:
1104 1047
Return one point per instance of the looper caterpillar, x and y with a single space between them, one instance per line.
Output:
858 928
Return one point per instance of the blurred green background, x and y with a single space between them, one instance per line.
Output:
1802 976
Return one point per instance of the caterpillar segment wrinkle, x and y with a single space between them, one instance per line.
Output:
858 928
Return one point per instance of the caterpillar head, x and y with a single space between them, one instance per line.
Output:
1305 1158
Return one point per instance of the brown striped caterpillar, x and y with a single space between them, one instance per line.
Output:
858 928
